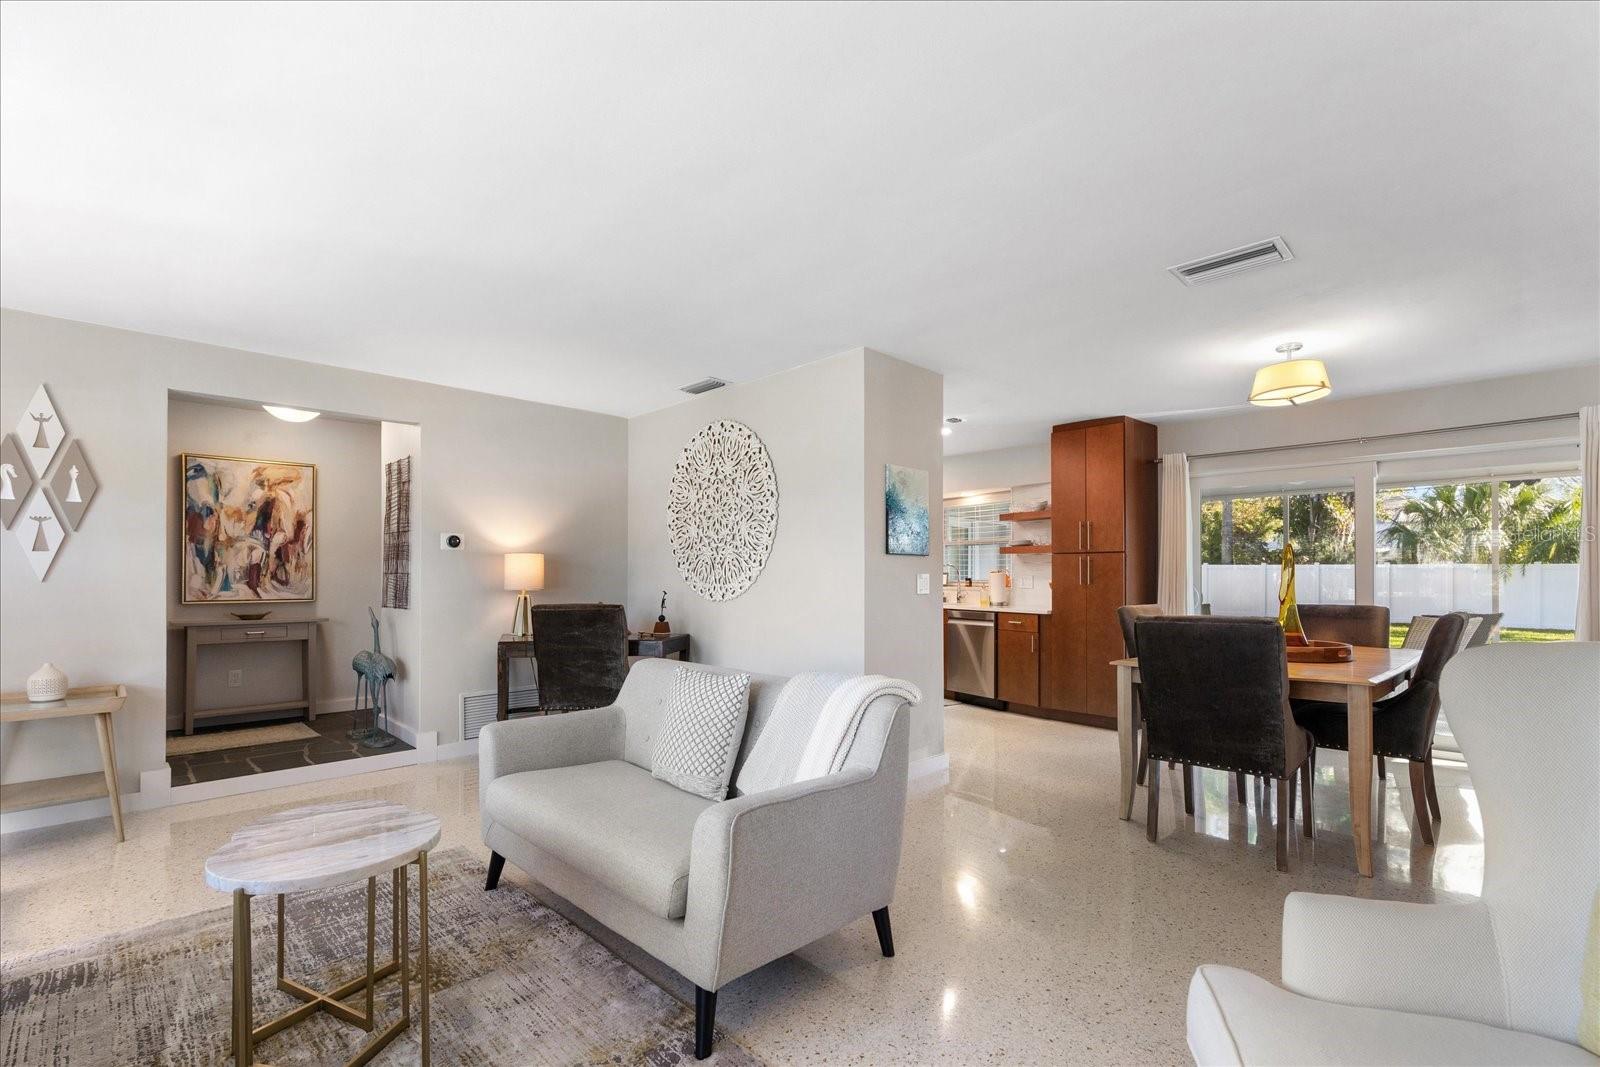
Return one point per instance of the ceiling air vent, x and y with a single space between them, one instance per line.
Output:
704 385
1233 261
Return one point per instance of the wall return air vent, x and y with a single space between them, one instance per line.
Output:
704 385
1233 261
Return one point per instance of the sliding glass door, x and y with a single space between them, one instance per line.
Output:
1241 548
1508 547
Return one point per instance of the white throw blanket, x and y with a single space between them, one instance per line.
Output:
813 724
840 718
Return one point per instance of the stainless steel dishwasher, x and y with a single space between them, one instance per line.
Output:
969 653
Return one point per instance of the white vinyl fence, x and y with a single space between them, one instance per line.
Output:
1542 596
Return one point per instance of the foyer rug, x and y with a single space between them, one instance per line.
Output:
513 983
251 735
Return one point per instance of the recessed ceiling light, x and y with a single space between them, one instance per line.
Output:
944 431
289 414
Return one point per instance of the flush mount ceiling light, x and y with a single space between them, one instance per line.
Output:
289 414
1292 382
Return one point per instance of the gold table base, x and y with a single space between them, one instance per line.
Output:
245 1034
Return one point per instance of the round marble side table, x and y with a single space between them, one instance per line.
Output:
312 848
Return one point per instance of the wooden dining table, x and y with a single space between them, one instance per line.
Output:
1368 675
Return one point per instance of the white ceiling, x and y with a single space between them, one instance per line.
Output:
592 205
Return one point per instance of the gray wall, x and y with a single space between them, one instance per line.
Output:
349 538
828 583
999 468
904 628
805 611
506 474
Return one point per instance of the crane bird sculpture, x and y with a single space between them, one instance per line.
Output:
373 671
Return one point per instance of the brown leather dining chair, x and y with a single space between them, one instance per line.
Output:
1216 694
1403 723
1366 625
581 653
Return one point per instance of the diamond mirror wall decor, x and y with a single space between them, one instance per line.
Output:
40 430
74 483
16 481
39 532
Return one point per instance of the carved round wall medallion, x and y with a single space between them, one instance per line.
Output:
722 510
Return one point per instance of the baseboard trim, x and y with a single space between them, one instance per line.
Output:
929 766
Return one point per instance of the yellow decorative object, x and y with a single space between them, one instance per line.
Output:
1288 612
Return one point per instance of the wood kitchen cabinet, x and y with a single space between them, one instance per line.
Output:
1017 655
1103 532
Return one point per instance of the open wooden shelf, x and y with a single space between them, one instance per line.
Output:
1018 550
23 796
1025 516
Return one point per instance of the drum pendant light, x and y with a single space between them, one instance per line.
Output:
1292 382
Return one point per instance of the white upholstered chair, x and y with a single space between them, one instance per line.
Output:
1494 981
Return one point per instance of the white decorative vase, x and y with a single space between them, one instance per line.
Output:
47 684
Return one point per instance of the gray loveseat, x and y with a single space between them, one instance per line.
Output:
712 889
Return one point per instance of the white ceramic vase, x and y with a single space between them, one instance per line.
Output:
47 684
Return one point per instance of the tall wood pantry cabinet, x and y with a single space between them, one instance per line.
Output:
1103 537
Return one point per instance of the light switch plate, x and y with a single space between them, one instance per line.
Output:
1026 581
235 679
923 584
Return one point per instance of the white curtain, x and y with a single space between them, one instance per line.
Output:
1172 582
1588 564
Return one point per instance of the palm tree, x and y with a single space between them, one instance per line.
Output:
1502 524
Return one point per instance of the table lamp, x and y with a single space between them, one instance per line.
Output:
524 571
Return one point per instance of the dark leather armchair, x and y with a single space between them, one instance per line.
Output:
1354 624
1402 724
581 651
1216 694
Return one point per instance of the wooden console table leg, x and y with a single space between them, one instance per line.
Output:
190 687
313 672
502 684
108 758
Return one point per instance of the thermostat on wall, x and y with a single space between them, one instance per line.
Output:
451 542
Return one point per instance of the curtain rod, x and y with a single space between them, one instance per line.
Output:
1384 436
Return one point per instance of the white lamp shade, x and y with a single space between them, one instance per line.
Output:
524 570
1294 381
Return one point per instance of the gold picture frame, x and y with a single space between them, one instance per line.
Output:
240 534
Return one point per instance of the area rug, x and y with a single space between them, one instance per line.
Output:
512 983
254 735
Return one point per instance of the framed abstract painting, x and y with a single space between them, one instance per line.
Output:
248 530
905 506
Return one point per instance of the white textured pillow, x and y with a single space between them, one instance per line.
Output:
700 737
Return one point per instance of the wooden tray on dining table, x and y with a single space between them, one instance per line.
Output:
1320 652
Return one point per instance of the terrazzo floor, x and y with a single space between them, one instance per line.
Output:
1031 925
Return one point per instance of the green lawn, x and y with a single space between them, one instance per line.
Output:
1397 634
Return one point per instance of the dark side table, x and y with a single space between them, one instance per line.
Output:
509 648
659 647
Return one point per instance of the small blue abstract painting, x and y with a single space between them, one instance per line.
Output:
905 505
